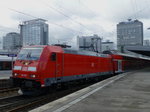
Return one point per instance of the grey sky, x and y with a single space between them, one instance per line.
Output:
95 16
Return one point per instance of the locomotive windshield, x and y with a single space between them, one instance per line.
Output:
30 53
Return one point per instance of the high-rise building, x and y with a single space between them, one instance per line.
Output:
12 41
108 46
129 33
34 32
89 43
1 43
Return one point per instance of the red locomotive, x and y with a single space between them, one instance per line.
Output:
39 67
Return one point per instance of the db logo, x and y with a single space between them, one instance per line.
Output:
92 64
23 75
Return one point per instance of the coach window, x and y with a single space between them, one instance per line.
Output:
53 56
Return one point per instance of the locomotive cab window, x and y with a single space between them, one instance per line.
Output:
30 53
53 56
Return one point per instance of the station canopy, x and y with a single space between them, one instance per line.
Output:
144 50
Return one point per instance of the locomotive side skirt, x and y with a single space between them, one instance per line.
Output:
50 81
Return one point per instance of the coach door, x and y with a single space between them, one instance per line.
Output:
119 66
59 66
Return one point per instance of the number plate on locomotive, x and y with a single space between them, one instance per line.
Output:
24 68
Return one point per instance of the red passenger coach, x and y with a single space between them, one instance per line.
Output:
124 62
38 67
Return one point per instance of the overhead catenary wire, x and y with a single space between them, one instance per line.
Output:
23 13
65 15
139 11
134 6
65 9
65 27
82 3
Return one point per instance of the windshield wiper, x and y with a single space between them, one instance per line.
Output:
29 55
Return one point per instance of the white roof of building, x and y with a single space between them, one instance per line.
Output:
6 58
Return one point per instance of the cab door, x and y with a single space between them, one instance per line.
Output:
59 66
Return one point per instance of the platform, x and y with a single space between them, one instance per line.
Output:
5 74
127 92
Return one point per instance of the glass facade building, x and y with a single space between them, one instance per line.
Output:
12 41
129 33
89 43
108 46
34 32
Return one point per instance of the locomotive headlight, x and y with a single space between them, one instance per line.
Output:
33 76
32 69
15 74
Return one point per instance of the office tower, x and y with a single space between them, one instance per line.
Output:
34 32
129 33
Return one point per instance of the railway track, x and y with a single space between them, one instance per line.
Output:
21 103
24 103
4 90
9 102
5 83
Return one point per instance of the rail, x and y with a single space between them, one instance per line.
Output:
26 103
4 90
5 83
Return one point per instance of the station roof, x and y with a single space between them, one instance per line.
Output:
144 50
6 58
